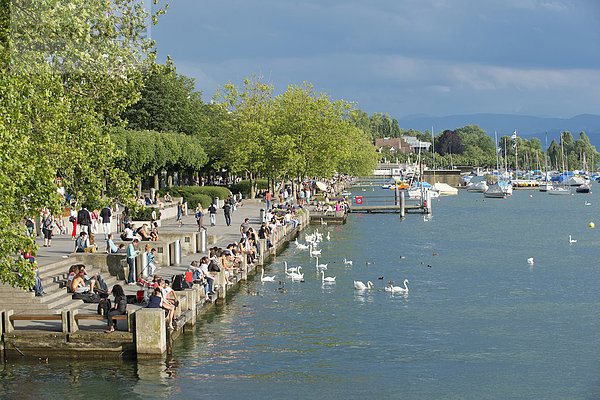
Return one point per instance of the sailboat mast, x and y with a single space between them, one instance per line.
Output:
546 158
433 151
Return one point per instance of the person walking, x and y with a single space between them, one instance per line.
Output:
73 220
227 213
131 254
212 210
47 227
105 214
199 217
179 214
245 227
84 220
268 199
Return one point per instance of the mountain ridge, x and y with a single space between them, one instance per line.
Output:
527 126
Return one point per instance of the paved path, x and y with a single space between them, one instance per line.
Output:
62 245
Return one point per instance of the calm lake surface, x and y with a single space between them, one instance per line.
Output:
480 322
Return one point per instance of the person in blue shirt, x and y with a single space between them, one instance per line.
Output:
131 253
111 247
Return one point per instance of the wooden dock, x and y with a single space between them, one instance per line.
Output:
396 203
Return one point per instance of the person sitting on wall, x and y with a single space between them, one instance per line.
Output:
143 234
157 301
128 235
82 244
111 247
168 198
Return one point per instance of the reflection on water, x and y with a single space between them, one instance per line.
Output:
479 320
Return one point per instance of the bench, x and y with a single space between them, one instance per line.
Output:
75 317
8 319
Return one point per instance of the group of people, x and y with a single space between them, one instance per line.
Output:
231 203
163 296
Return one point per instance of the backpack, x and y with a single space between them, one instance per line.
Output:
87 297
104 306
214 267
179 283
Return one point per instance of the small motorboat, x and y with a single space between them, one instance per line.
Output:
585 188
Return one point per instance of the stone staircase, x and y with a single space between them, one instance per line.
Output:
57 299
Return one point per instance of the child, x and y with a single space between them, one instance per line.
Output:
151 267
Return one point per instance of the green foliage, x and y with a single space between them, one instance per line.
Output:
194 199
188 191
142 213
244 186
67 69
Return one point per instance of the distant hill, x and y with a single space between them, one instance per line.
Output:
527 126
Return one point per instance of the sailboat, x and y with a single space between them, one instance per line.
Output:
561 189
502 187
545 184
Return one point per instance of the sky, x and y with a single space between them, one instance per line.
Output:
401 57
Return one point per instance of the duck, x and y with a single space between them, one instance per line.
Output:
397 289
264 278
530 261
358 285
571 240
328 279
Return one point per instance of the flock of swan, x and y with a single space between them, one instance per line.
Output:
312 240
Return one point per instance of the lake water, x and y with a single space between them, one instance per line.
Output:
480 322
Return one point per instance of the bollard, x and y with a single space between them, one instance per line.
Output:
73 326
428 200
402 203
222 292
185 208
397 197
201 241
175 252
262 215
217 202
141 261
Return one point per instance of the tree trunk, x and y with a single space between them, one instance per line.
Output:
252 189
139 188
156 182
169 179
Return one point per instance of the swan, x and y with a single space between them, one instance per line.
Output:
571 240
328 236
328 279
358 285
587 203
264 278
530 261
301 246
291 269
314 252
323 222
295 276
347 262
397 289
320 266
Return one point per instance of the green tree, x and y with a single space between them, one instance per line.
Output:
68 69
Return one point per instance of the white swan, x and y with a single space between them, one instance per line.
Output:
291 269
301 246
328 279
587 203
264 278
320 266
347 262
358 285
323 222
397 289
530 260
314 252
571 240
328 236
295 276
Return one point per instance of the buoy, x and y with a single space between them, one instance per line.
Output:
592 225
530 195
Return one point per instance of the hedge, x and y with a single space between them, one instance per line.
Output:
244 186
142 213
188 191
194 199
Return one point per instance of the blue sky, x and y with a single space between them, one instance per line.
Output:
403 57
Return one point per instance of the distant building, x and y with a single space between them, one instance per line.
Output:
396 144
416 144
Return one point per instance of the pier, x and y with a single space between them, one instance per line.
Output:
396 203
